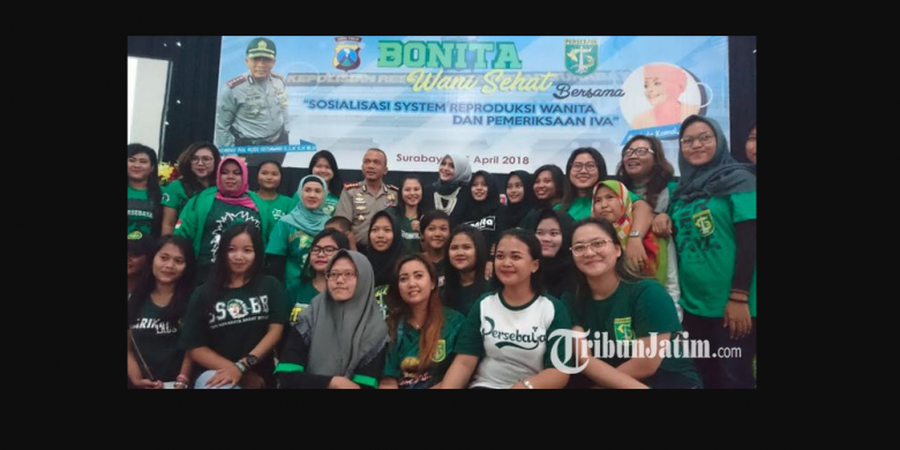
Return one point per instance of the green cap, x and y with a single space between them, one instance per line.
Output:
261 47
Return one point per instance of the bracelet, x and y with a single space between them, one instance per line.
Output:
731 299
528 384
740 291
181 383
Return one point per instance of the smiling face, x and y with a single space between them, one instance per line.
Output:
269 176
549 234
381 235
139 167
412 192
593 261
323 169
240 255
698 143
447 170
436 234
515 190
584 173
415 283
513 263
231 178
313 195
544 187
168 264
462 253
638 159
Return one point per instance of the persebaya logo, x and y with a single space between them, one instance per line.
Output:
514 338
582 55
441 352
704 223
623 329
346 53
237 309
135 235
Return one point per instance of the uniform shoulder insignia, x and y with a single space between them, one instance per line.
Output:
392 187
352 185
275 75
236 81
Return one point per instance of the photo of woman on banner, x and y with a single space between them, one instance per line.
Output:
252 108
672 96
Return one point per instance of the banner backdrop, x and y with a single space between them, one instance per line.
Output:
507 102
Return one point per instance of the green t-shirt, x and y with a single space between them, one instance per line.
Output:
157 342
582 207
174 196
402 359
412 240
632 312
299 298
466 297
280 206
239 319
140 215
707 250
294 244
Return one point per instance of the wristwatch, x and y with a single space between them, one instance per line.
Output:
634 233
251 360
240 365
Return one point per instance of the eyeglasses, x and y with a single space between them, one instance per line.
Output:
327 250
688 141
204 159
345 275
596 246
639 151
578 167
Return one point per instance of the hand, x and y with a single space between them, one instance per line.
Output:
518 385
342 383
662 225
147 384
488 270
414 225
737 319
637 255
229 376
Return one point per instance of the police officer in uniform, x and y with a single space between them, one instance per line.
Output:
360 201
253 107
